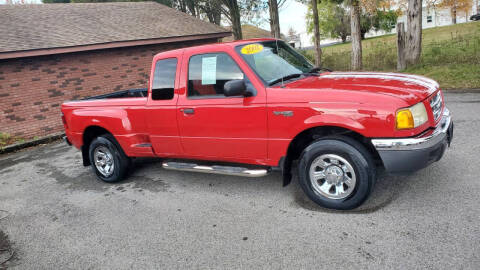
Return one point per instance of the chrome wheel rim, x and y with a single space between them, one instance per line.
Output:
332 176
104 160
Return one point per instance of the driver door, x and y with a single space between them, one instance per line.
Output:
213 126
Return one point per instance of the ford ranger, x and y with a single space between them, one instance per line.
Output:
248 107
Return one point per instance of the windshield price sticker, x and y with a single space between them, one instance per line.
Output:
252 48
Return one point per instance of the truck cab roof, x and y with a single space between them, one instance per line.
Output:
232 44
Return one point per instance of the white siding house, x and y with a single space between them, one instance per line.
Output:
433 17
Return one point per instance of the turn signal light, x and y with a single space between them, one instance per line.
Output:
405 119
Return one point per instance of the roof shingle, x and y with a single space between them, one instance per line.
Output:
46 26
251 31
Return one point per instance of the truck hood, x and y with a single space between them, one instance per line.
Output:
411 88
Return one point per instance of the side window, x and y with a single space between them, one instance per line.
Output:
208 73
164 79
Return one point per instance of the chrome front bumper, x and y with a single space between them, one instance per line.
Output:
411 154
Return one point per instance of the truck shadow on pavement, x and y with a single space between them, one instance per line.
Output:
382 195
87 181
386 190
64 164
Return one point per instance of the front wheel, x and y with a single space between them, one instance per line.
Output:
337 172
108 160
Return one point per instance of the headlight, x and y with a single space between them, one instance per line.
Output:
412 117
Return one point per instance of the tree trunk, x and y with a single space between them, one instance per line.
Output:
213 11
217 17
214 16
414 32
232 12
454 14
274 20
401 64
191 6
236 24
182 6
356 36
316 36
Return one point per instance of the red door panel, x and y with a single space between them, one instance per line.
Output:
162 113
218 127
235 130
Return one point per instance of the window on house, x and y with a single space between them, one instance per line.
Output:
208 73
164 79
429 19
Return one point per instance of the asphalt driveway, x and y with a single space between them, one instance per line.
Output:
61 217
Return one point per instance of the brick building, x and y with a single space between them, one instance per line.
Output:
55 52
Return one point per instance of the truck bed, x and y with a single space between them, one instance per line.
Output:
131 97
138 92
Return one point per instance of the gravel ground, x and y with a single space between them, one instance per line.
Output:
62 217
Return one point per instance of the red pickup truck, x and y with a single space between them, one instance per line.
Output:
247 107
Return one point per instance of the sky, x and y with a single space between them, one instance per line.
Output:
292 14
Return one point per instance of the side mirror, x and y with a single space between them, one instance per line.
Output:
234 88
162 93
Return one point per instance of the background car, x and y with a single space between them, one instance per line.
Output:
475 17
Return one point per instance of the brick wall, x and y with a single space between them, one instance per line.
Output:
32 89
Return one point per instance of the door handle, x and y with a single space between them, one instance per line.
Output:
188 110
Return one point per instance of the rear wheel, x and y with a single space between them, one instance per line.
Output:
108 160
336 172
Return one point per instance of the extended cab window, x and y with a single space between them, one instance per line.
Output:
164 79
208 73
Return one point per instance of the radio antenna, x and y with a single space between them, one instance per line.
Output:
278 53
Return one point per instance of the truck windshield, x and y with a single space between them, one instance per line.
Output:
274 61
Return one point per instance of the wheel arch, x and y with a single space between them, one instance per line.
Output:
89 134
311 134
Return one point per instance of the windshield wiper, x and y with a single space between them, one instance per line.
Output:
285 78
317 69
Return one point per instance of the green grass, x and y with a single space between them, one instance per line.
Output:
450 55
7 139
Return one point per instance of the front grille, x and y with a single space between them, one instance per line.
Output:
436 104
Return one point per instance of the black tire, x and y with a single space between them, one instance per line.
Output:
121 162
354 153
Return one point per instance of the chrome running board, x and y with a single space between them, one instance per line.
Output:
216 169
